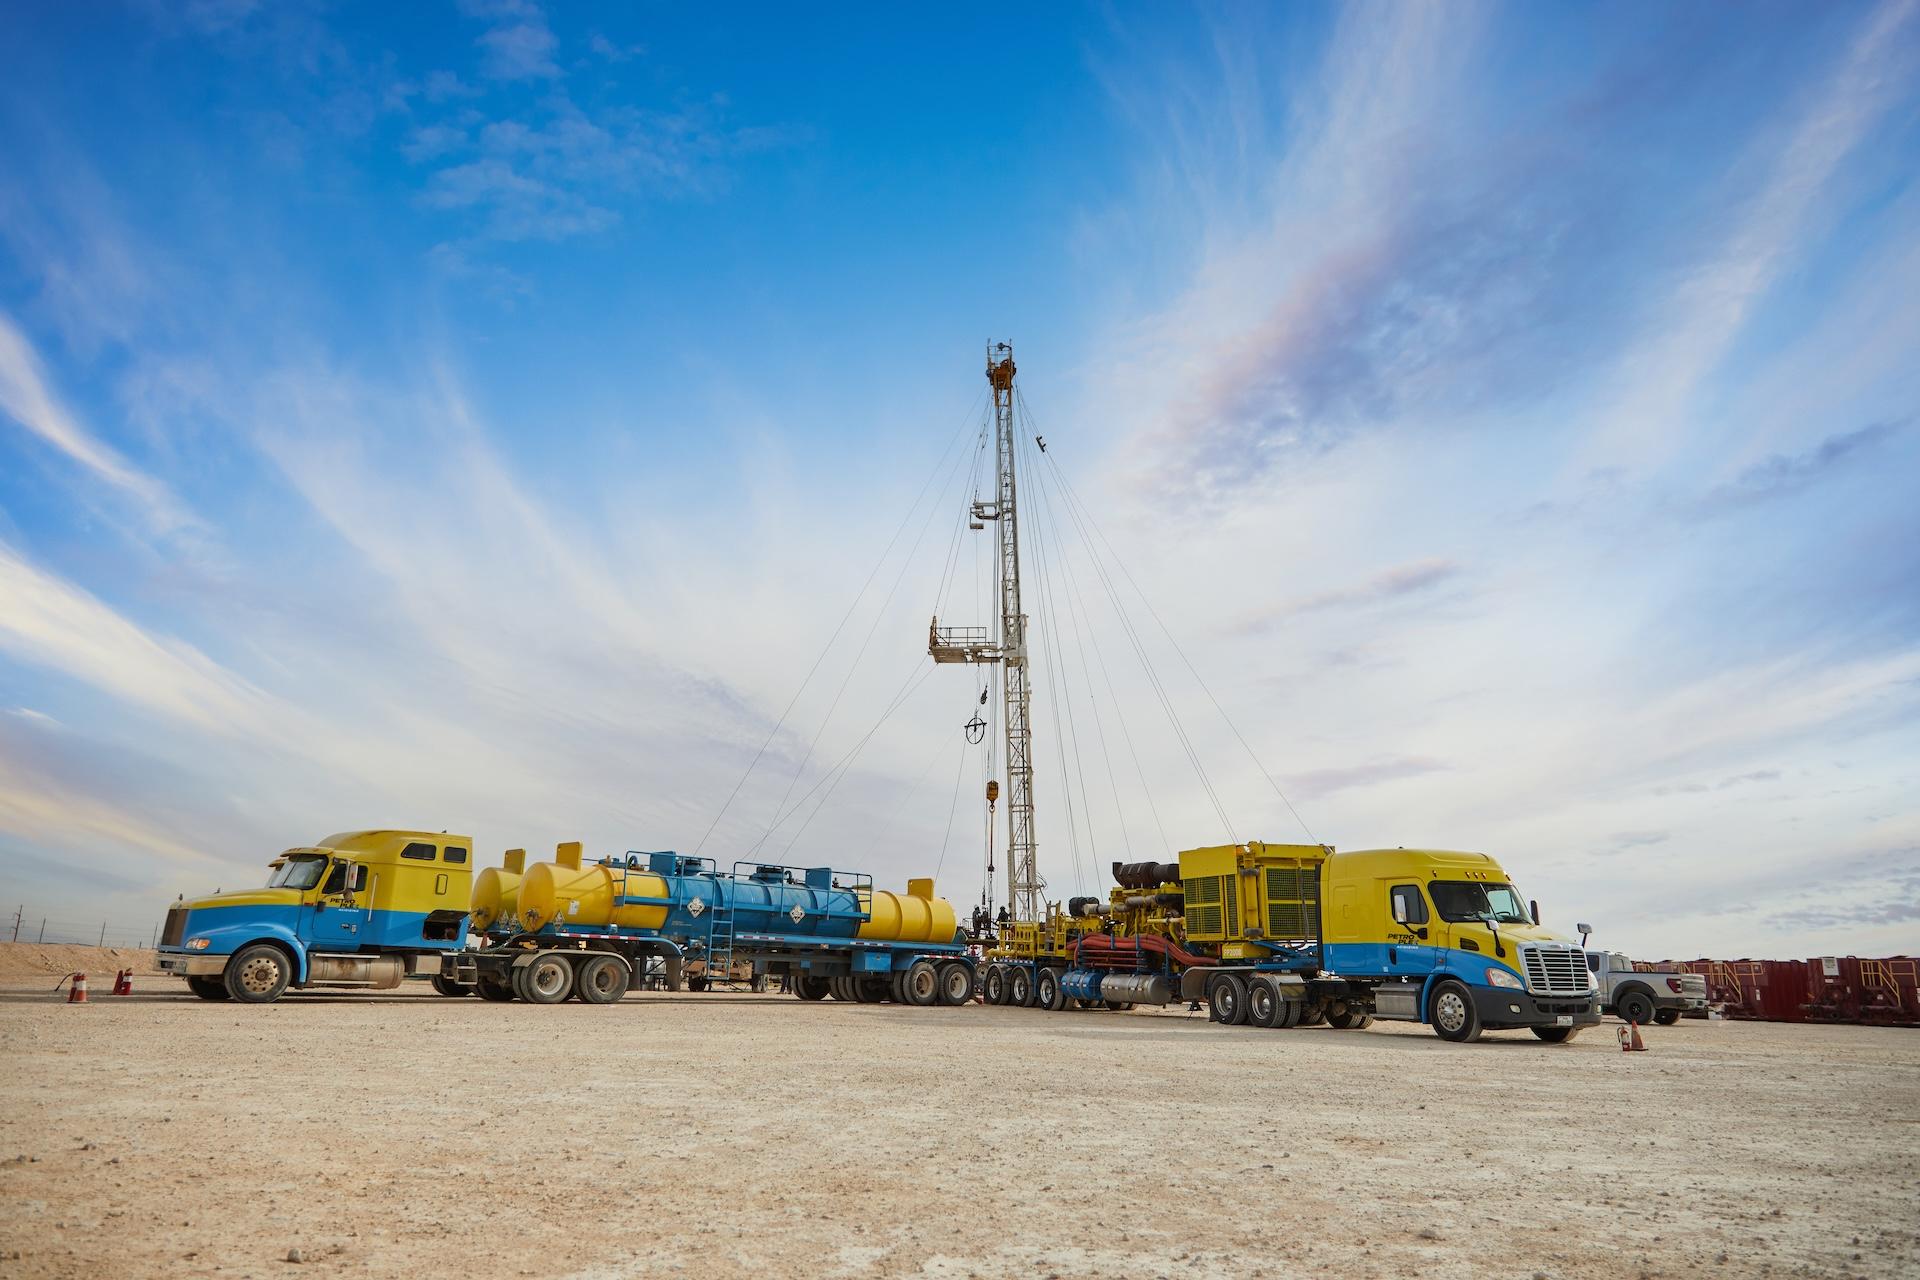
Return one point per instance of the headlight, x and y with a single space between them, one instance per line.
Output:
1503 978
199 944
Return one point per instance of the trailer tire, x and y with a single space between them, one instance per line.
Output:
1020 987
1666 1017
1287 1016
956 984
808 987
1635 1005
209 988
871 988
448 987
1119 1006
602 980
995 984
258 974
1450 1010
1227 1000
1556 1035
920 984
1263 1003
548 980
490 990
697 983
1048 991
1313 1015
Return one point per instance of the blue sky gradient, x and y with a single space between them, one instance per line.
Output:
481 415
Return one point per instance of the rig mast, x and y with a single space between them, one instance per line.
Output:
1009 648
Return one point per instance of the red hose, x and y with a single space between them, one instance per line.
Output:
1112 950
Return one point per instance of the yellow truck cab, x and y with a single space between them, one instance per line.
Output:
358 909
1445 938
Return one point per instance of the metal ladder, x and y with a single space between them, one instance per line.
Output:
719 939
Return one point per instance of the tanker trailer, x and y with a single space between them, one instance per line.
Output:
589 929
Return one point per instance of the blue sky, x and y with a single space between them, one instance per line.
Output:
480 416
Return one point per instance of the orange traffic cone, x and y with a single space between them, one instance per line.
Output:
77 993
1638 1045
123 982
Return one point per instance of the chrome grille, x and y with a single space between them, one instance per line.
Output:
1554 970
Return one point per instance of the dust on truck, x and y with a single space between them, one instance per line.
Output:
1297 935
360 909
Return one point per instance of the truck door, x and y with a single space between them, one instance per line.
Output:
1415 936
337 915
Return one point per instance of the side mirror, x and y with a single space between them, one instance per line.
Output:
1584 929
1534 907
1399 910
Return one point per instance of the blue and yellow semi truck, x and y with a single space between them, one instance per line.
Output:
371 908
359 909
1290 935
592 929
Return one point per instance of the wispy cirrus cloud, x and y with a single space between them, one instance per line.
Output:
26 397
1389 585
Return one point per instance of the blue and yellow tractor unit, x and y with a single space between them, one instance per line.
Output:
1299 935
592 929
359 909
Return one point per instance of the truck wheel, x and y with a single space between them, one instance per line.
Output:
1049 992
258 974
548 980
1452 1013
1313 1014
1020 987
602 980
1119 1006
1262 1004
872 988
956 984
208 988
448 987
995 984
1228 999
1556 1035
698 982
489 989
1634 1006
1666 1017
920 984
1287 1015
811 988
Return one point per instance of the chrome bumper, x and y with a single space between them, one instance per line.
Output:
182 965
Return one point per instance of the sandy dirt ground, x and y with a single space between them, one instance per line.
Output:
407 1135
22 960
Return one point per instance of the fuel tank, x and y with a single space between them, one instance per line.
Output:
496 892
678 895
593 896
916 916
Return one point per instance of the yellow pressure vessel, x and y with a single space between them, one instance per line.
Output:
566 892
915 916
496 891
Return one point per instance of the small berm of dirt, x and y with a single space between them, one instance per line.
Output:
30 959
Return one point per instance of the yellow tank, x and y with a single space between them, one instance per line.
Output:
565 891
496 891
916 916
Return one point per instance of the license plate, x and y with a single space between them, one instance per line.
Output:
1564 1020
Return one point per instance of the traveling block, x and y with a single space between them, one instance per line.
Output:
77 993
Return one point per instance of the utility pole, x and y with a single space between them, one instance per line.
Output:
1008 648
43 928
16 921
103 934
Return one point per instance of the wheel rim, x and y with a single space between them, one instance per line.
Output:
548 979
604 979
921 985
956 985
1450 1011
260 974
1262 1005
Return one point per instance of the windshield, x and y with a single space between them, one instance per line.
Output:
301 871
1458 900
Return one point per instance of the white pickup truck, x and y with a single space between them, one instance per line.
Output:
1643 995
